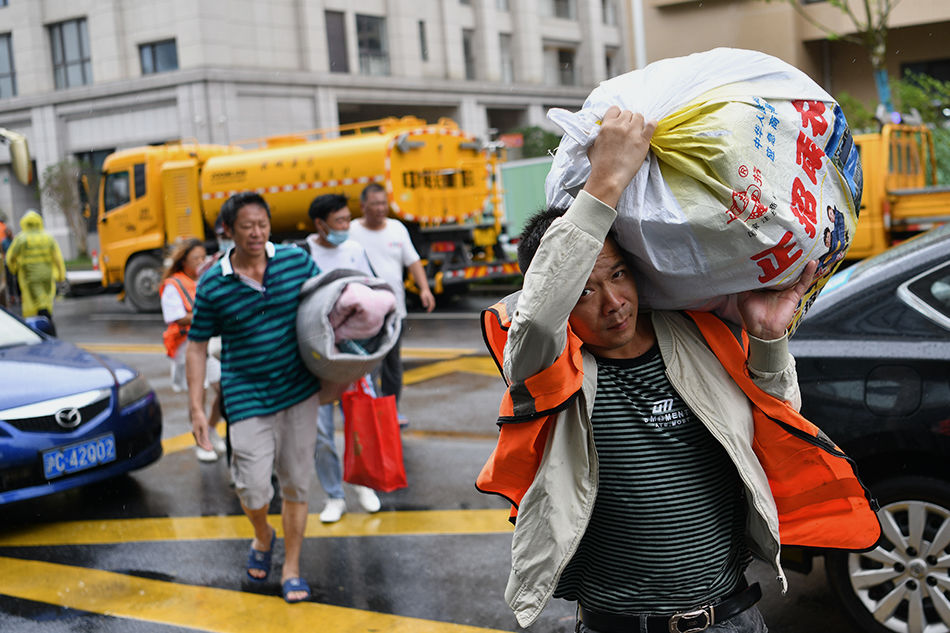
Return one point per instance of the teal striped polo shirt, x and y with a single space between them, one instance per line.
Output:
261 370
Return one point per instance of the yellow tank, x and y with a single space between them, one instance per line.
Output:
433 174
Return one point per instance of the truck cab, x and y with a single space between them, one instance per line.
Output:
901 195
137 187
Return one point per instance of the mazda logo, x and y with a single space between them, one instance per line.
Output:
68 418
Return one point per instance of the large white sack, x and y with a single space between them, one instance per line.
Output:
315 336
752 173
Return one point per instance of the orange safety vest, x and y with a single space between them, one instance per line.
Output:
819 498
175 334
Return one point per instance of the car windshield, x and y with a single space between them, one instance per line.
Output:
13 332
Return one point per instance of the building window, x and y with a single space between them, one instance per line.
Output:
611 65
503 5
507 61
565 65
7 75
468 52
3 3
563 9
336 41
158 57
373 46
72 65
609 8
423 43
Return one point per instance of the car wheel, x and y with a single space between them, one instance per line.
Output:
142 279
902 585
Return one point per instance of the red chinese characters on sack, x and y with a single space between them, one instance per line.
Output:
804 207
813 114
808 155
777 259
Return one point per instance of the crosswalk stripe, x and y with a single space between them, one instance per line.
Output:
93 532
193 607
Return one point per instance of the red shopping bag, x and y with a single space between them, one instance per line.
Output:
373 453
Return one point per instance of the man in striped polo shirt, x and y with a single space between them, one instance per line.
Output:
249 298
648 502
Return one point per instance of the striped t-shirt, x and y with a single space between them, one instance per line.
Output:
668 526
261 370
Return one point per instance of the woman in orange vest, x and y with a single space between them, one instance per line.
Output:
179 282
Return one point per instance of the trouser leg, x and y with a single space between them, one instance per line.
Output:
326 459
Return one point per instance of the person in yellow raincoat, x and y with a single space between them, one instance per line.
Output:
34 257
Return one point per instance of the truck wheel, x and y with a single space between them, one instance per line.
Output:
902 585
142 278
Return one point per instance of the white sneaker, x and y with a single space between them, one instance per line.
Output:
333 511
218 443
368 499
205 456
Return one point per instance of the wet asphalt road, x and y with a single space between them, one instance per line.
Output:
437 551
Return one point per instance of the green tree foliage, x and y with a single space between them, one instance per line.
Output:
923 94
860 118
930 97
58 186
537 141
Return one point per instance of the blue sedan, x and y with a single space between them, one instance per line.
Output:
68 417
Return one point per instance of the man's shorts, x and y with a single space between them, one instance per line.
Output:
283 443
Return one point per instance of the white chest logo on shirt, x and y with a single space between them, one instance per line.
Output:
664 416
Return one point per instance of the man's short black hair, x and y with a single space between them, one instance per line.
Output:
323 206
370 188
532 233
231 206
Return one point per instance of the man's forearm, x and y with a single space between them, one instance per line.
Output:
418 274
196 355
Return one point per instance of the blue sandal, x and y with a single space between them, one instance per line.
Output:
295 584
257 559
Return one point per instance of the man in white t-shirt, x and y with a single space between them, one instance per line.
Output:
390 251
331 248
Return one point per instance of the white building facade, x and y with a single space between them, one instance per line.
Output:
82 78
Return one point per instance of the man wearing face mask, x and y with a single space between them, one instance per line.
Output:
331 249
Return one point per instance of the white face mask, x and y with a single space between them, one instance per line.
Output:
337 237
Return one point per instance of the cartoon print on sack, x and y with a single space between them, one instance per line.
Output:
836 239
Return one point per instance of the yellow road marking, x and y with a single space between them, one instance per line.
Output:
482 365
187 440
408 353
425 522
192 607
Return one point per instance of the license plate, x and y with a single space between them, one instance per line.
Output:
79 456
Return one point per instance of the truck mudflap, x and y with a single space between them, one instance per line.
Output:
475 272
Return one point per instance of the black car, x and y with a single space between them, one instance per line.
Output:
873 358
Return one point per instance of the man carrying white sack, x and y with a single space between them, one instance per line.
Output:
332 249
626 444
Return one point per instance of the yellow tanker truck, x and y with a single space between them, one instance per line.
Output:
439 180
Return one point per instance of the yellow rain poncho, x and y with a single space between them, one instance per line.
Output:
34 257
